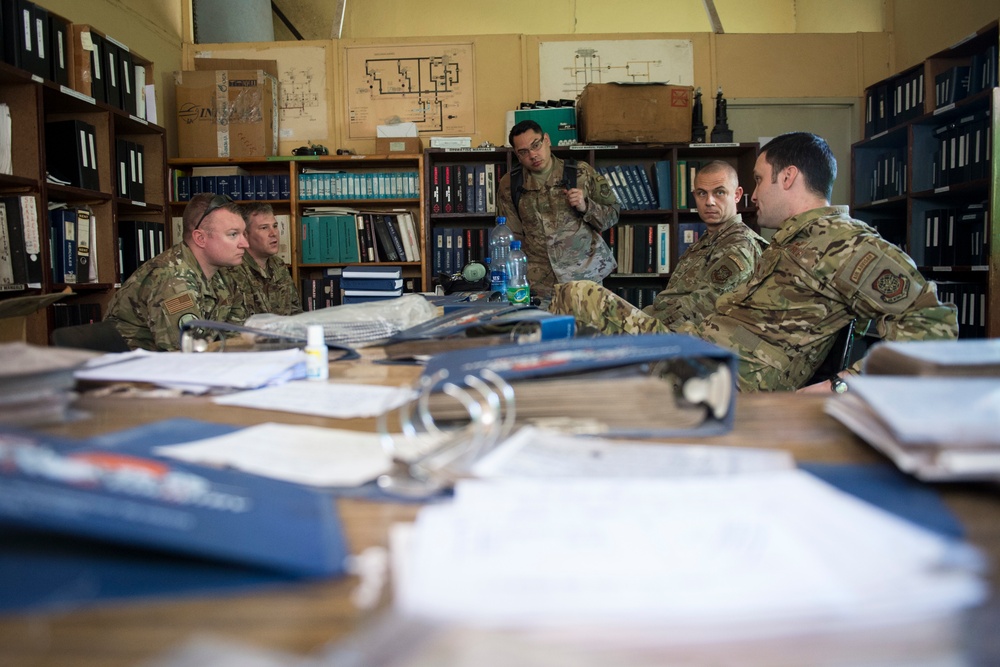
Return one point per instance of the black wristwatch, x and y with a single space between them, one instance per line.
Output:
838 385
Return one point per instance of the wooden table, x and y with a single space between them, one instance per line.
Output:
303 618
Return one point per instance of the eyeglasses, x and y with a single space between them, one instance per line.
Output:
217 202
535 146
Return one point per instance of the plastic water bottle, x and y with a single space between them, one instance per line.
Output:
518 291
500 239
317 355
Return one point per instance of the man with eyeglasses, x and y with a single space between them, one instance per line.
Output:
559 227
262 277
183 283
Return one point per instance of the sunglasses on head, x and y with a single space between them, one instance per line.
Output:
217 202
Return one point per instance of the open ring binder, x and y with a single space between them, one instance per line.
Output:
468 401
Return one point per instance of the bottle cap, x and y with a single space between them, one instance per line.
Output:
515 245
314 336
502 220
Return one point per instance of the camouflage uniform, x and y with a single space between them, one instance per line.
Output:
821 270
717 263
166 291
265 290
561 243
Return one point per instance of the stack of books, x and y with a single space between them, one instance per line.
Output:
36 383
370 283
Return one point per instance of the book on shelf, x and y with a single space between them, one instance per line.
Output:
364 271
663 248
83 234
62 223
379 284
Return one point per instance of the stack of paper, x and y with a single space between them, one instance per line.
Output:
198 373
937 428
675 561
36 382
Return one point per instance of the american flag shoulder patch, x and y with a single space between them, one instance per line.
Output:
179 303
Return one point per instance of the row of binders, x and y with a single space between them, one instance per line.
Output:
888 176
640 248
234 182
317 184
963 149
460 188
20 244
970 299
958 82
895 102
335 236
633 188
953 236
72 55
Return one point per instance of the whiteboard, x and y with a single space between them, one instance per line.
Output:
566 67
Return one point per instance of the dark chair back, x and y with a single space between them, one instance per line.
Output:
838 358
98 336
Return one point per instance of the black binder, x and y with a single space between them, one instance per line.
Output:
122 171
98 89
136 164
126 82
112 73
59 46
70 153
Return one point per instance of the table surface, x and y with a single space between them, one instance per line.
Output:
303 618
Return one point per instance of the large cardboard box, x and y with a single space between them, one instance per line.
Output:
635 113
227 113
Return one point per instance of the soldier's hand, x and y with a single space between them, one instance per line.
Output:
577 199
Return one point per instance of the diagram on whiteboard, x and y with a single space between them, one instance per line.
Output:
430 85
567 67
300 94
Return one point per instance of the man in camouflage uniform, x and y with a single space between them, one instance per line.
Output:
263 278
559 228
721 260
183 283
821 270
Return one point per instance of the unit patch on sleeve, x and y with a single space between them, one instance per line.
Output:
892 286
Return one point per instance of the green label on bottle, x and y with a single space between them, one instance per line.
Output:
519 295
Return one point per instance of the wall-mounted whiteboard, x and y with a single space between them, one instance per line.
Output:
566 67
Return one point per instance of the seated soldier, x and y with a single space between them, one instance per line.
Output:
721 260
821 270
183 282
262 277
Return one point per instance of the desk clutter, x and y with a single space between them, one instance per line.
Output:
932 407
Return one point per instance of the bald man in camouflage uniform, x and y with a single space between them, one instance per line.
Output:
183 283
559 228
263 278
721 260
821 270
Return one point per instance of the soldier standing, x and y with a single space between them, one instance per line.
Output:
559 227
718 262
183 282
262 277
821 270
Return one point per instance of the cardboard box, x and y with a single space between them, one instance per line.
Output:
227 113
398 145
635 113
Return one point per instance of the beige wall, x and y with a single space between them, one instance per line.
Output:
408 18
924 27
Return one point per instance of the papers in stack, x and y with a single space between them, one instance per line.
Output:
933 407
675 561
937 428
36 382
198 372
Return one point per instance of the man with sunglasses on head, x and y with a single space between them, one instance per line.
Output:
183 283
262 277
558 218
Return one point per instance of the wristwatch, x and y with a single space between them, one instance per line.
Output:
838 385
